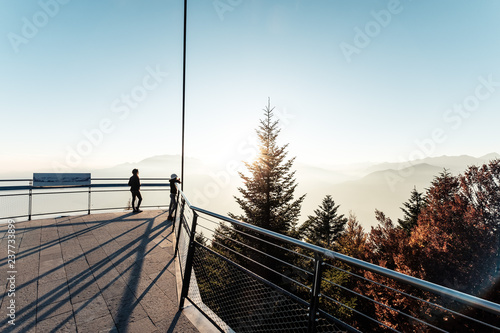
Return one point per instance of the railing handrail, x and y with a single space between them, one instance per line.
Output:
93 178
30 191
125 178
416 282
91 185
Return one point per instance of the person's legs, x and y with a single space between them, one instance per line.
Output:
133 200
139 196
173 205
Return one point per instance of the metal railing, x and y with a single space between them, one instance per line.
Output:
244 278
248 279
19 199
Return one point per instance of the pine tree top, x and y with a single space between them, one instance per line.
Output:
268 193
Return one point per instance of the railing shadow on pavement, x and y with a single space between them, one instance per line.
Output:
85 269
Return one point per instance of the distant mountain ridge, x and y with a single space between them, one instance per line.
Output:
385 190
160 166
384 186
387 186
456 164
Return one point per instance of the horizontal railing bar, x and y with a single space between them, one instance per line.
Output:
123 190
275 245
261 240
361 314
15 188
125 208
13 217
85 192
126 185
265 254
259 278
422 284
264 266
418 299
14 195
338 322
142 178
68 192
425 285
389 288
30 187
381 304
97 178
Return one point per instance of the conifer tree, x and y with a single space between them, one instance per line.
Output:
267 200
411 210
326 226
268 194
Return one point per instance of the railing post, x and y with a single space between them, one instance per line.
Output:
30 204
189 262
90 200
315 293
181 217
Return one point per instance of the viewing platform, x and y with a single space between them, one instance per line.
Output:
112 272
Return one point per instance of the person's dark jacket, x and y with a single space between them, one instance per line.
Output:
134 183
173 188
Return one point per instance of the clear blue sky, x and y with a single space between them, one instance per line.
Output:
88 84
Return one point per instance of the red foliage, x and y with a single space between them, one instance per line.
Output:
455 244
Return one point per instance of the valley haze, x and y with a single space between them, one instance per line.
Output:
359 189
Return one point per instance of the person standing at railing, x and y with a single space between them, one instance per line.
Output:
173 195
135 187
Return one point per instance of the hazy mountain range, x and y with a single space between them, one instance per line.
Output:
360 189
386 186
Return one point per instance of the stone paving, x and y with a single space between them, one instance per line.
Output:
110 272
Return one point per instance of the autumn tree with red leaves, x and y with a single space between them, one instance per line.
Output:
454 243
453 238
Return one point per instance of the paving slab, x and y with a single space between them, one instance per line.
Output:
112 272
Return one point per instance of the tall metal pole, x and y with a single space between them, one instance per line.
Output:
183 93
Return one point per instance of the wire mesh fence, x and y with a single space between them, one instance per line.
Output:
222 283
246 279
183 245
